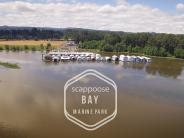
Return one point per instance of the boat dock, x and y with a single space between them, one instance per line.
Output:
57 56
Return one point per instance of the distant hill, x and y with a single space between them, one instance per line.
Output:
49 28
13 32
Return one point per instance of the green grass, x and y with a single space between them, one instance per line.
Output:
9 65
23 48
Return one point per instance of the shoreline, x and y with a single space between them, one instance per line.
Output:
9 65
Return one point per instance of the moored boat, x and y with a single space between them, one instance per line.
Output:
72 57
79 58
98 57
123 58
65 58
55 58
88 58
148 60
115 58
108 58
48 57
93 57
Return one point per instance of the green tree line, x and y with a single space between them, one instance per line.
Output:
149 43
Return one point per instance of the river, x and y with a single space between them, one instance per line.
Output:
150 98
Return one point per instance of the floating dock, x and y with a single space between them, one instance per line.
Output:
57 56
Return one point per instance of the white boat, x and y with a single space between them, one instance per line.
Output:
98 57
123 58
79 58
48 57
144 59
83 57
148 60
130 58
65 57
141 59
93 57
103 59
115 58
55 58
108 58
88 58
137 59
72 57
134 58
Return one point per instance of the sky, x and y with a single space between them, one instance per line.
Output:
161 16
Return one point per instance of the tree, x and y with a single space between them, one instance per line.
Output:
162 52
26 47
7 47
33 48
136 49
179 53
108 48
1 48
129 49
41 47
112 39
49 47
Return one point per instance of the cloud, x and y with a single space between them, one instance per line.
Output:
120 17
180 6
122 2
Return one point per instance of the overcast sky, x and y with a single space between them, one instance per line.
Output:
163 16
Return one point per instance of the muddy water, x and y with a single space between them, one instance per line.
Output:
150 98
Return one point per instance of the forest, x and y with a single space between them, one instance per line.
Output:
154 44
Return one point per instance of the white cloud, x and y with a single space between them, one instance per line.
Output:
119 17
122 2
180 6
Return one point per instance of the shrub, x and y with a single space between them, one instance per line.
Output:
7 47
179 53
13 48
49 47
33 48
26 47
1 48
42 47
17 48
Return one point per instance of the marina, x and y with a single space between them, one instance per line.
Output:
91 69
57 56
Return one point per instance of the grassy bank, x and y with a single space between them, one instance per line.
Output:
22 43
9 65
25 48
29 45
89 50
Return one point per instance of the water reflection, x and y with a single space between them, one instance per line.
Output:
166 67
163 67
131 65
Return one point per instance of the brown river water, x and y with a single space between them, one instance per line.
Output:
150 98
